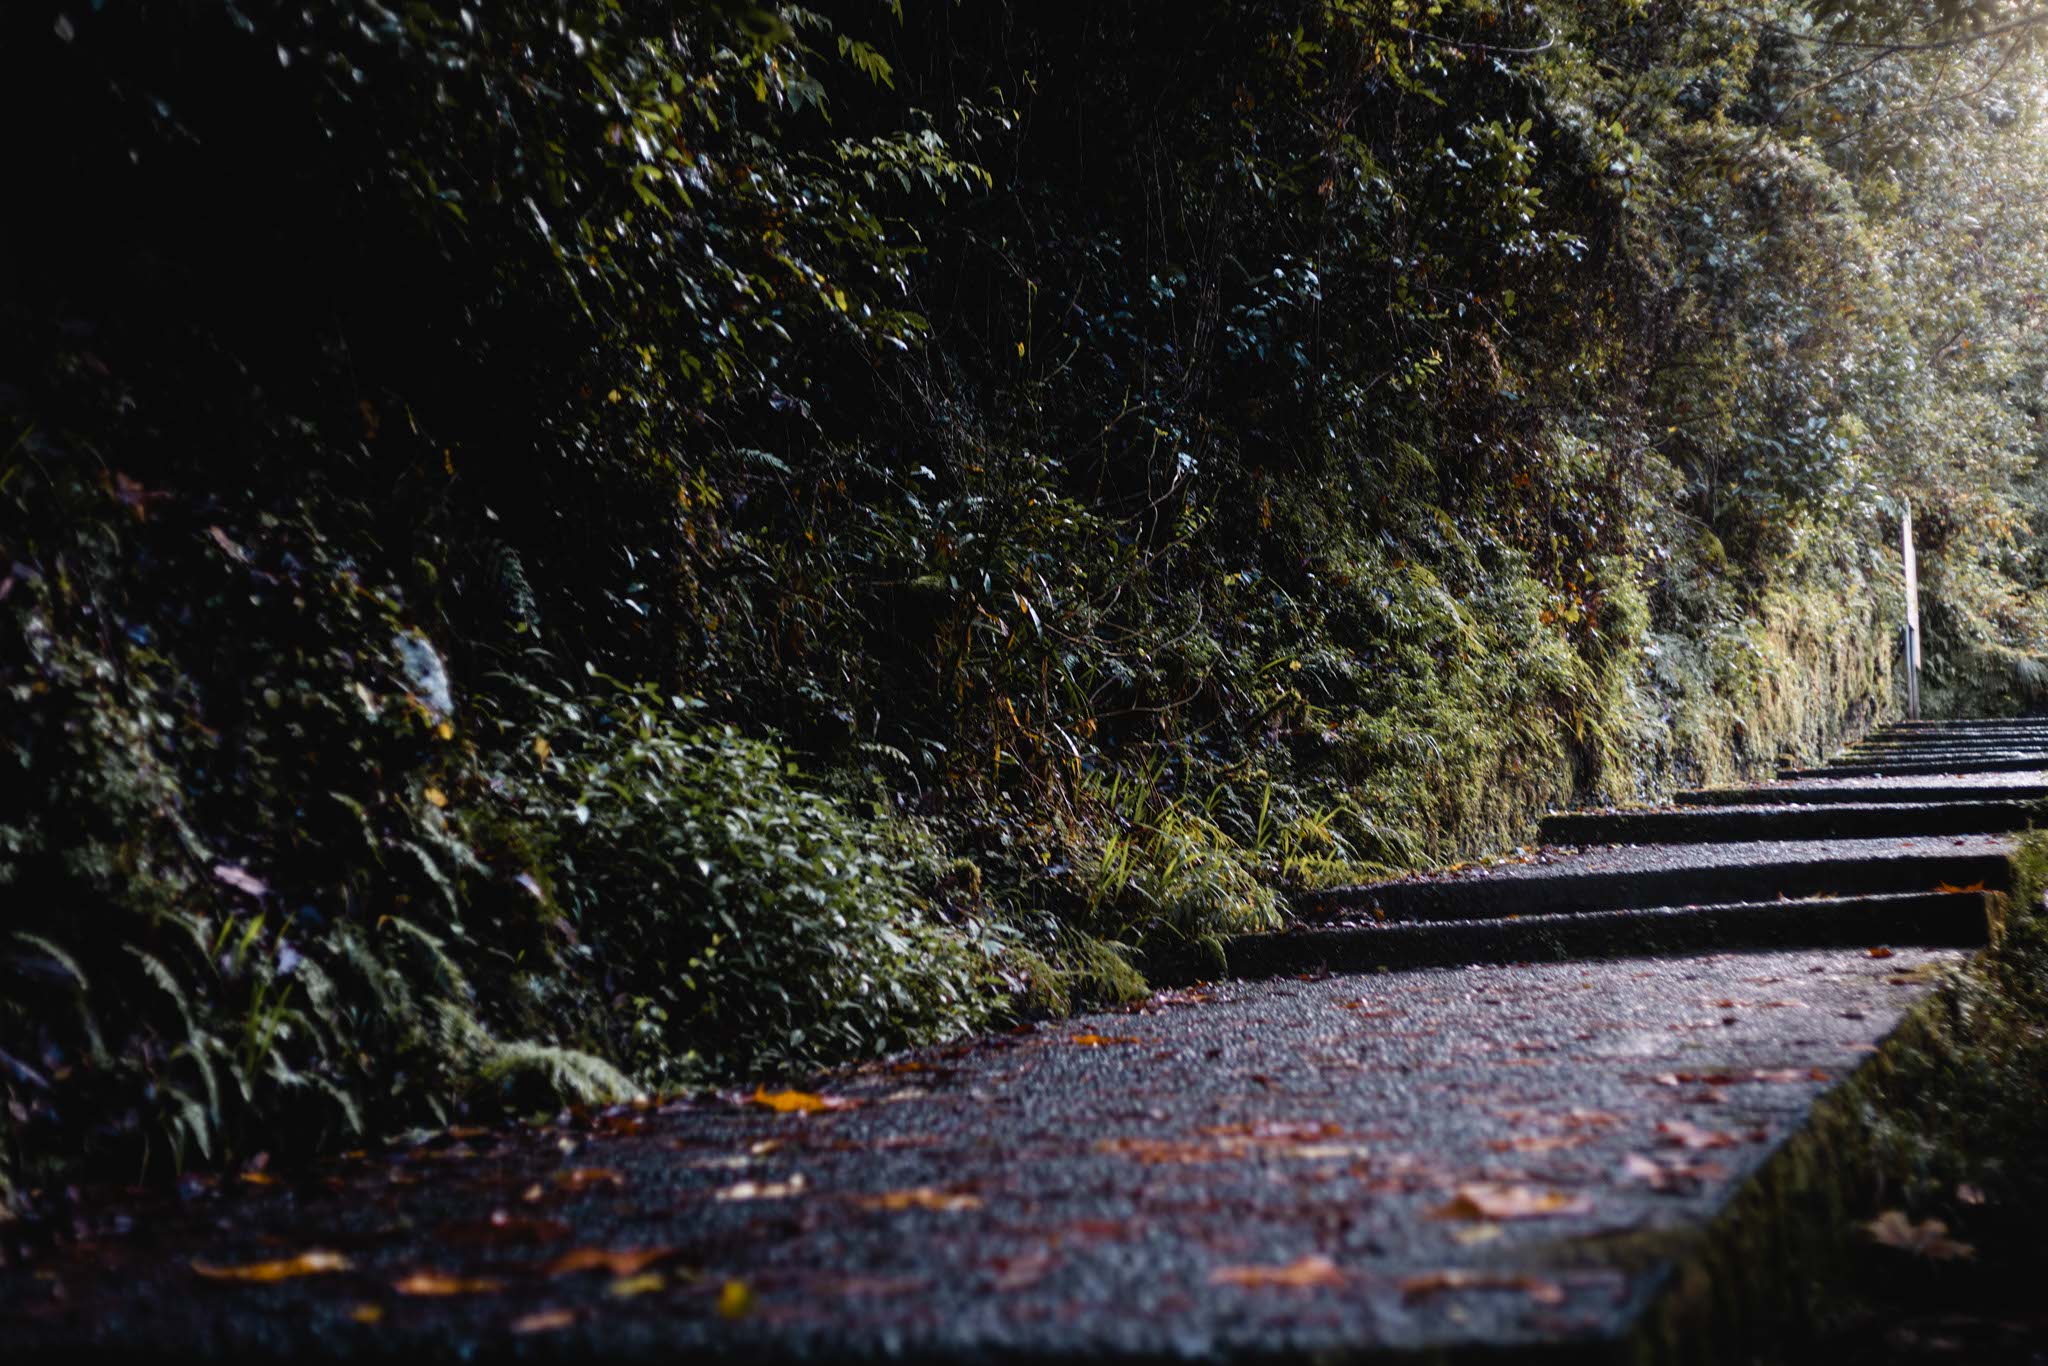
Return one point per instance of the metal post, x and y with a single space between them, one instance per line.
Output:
1912 616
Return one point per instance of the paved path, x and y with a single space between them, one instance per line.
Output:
1522 1155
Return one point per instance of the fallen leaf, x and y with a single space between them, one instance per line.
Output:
1951 887
921 1197
314 1262
735 1300
1677 1133
1101 1040
627 1287
545 1321
240 879
1536 1143
1301 1274
763 1190
1422 1287
1928 1238
1880 953
616 1261
1676 1177
582 1178
1494 1200
367 1314
435 1283
798 1102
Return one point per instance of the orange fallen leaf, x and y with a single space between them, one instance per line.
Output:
1494 1200
1880 953
922 1197
545 1321
1415 1288
434 1283
1100 1040
615 1261
1302 1274
1927 1239
1951 887
1536 1143
314 1262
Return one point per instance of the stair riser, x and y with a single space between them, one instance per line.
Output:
1954 920
1709 826
1478 899
1923 794
2027 765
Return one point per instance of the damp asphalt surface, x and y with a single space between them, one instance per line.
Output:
1388 1161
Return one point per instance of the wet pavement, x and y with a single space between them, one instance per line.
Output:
1376 1162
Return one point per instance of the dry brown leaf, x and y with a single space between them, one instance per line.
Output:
614 1261
922 1197
1495 1200
1677 1133
1536 1143
313 1262
435 1283
1928 1238
1302 1274
1416 1288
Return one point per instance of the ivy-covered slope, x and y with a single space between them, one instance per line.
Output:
552 548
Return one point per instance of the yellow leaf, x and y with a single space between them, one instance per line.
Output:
735 1300
436 796
1304 1273
1020 350
541 748
922 1197
1491 1200
311 1263
627 1287
446 730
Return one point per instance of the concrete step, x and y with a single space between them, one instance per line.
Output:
1812 791
2016 763
1931 919
1676 875
1837 820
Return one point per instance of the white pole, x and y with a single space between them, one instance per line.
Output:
1912 616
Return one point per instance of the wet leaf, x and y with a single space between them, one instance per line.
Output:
544 1321
798 1102
763 1190
627 1287
922 1197
614 1261
431 1284
1928 1238
1495 1200
313 1262
1422 1287
735 1300
1677 1133
1302 1274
